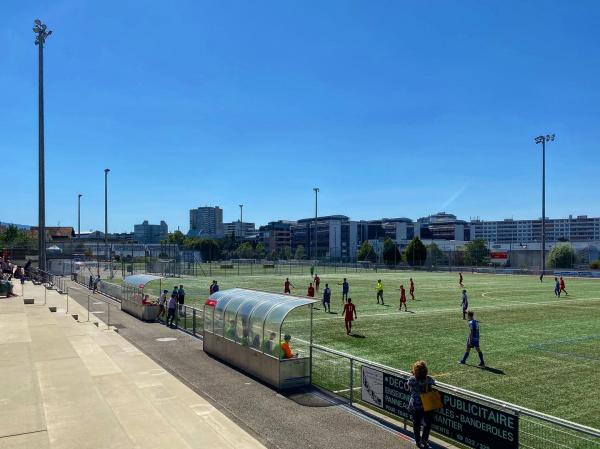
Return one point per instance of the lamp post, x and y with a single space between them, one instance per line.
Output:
543 140
316 189
241 221
106 170
41 33
79 216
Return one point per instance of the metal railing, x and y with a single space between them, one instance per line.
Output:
341 374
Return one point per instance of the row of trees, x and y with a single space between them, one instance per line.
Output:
11 237
417 254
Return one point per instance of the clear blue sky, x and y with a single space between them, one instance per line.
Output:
392 108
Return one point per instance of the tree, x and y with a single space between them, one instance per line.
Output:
259 251
209 249
366 252
245 251
415 252
274 255
435 256
286 253
177 238
561 256
13 237
391 255
300 253
477 252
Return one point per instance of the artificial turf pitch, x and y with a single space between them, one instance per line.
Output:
543 352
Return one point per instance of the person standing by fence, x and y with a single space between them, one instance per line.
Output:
419 383
162 303
181 298
172 307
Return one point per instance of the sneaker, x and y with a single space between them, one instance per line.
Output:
460 362
481 365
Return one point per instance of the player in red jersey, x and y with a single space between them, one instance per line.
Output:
460 279
311 291
317 282
562 286
349 315
402 298
412 289
286 286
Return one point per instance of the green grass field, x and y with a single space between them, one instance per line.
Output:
544 352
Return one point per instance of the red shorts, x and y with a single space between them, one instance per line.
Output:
402 300
348 318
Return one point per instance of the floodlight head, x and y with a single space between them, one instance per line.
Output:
540 139
106 170
550 137
49 32
37 21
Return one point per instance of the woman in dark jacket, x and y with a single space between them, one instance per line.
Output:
418 384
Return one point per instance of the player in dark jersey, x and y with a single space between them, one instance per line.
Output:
412 289
460 279
345 290
287 285
464 304
349 315
473 340
402 298
556 287
327 299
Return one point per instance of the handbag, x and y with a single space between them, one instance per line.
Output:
431 400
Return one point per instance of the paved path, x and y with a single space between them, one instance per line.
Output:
67 384
303 420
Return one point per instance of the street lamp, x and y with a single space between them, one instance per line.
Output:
79 216
241 221
316 189
41 33
106 170
543 140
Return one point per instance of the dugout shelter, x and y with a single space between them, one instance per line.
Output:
246 328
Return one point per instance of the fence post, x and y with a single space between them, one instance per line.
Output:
88 307
108 315
351 381
67 301
44 293
193 321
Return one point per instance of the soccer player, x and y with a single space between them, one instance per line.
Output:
287 286
327 299
460 279
349 315
556 287
473 340
412 289
345 290
402 298
379 288
317 282
464 303
562 286
311 291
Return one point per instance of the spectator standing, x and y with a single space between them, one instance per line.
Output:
172 307
162 302
96 282
181 298
418 384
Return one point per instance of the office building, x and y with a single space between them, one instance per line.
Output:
336 237
276 235
239 229
573 229
206 222
150 233
442 226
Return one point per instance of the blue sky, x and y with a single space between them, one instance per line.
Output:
392 108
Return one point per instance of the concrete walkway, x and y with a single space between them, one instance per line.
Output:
71 384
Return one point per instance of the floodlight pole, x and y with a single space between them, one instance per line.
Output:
106 170
79 216
316 189
241 221
41 33
543 140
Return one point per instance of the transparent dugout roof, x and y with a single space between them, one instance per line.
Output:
256 307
